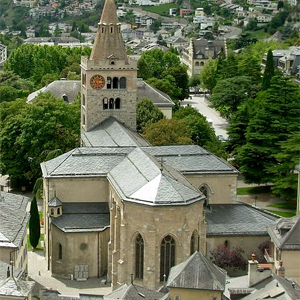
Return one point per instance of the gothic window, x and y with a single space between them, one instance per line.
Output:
83 119
115 82
111 30
139 257
194 242
59 251
167 256
111 103
102 29
105 103
117 103
122 83
83 99
83 79
108 85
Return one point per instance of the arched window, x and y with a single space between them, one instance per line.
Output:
52 212
202 64
111 103
58 211
65 97
167 256
105 103
59 251
205 192
197 63
194 242
139 257
117 103
122 83
108 84
112 62
111 30
226 244
83 99
115 82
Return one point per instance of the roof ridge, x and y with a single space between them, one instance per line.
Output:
290 232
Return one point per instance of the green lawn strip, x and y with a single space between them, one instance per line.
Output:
283 205
253 190
160 9
282 213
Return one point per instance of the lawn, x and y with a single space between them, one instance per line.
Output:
260 34
283 205
282 213
162 10
253 190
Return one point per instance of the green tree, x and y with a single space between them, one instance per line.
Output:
269 71
34 224
25 133
208 75
168 132
276 117
147 113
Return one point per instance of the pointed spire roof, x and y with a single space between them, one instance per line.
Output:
109 42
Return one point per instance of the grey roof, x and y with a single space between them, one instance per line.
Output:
237 219
200 47
275 287
16 288
134 292
83 217
158 98
84 162
191 159
199 273
3 271
286 233
59 88
35 40
154 184
111 133
54 202
13 219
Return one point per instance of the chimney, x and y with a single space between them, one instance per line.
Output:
280 270
256 273
8 272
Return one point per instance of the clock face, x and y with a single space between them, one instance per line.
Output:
97 82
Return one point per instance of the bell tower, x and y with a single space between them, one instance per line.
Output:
108 77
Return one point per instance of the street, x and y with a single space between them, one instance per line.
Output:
218 123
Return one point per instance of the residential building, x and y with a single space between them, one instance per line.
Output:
3 54
284 251
200 51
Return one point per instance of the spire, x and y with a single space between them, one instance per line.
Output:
109 42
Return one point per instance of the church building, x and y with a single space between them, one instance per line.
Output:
117 206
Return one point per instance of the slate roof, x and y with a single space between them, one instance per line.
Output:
15 288
58 88
13 219
54 202
286 233
237 219
200 47
189 159
83 217
197 272
134 292
153 183
111 133
156 96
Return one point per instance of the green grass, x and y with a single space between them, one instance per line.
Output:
283 205
260 34
162 10
253 190
282 213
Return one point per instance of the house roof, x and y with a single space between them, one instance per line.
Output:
54 202
200 46
15 288
197 272
13 219
237 219
83 217
134 292
286 233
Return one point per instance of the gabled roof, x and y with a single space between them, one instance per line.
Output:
111 133
199 273
13 219
286 233
200 46
237 219
54 202
154 184
134 292
14 288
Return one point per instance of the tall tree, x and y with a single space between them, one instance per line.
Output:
34 224
276 117
269 71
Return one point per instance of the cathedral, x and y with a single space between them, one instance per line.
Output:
118 207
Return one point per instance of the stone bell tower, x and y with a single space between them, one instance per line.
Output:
108 77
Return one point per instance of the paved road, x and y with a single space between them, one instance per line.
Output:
219 124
